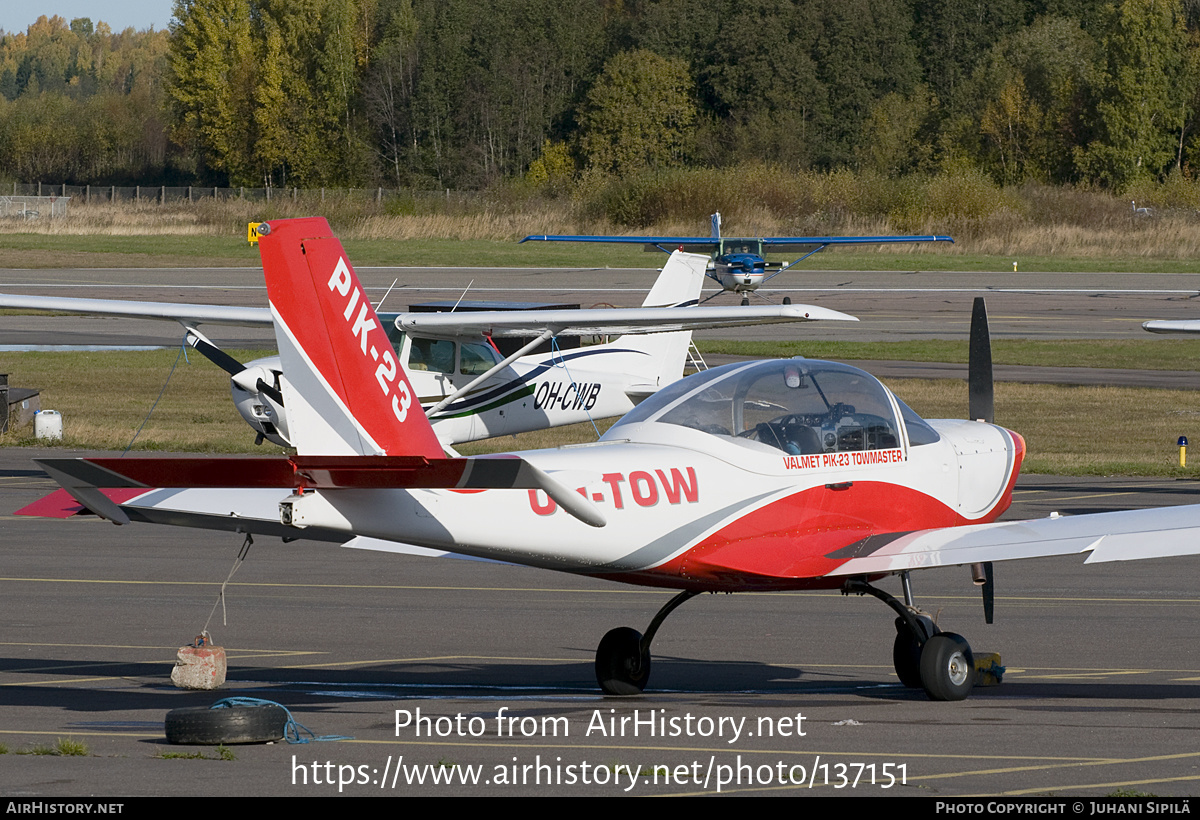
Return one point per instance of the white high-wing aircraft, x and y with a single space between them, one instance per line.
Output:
776 475
466 387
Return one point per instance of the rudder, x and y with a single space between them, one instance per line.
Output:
344 390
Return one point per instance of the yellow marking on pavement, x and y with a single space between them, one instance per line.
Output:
28 670
136 646
429 659
1095 495
59 682
824 594
912 779
77 733
1089 674
1108 787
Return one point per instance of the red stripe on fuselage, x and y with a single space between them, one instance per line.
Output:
784 544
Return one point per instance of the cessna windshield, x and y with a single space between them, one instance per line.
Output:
798 406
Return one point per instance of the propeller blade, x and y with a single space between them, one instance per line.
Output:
216 355
979 368
270 392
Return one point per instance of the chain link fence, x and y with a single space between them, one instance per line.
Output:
33 207
40 193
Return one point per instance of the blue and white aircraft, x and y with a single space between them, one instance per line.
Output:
737 264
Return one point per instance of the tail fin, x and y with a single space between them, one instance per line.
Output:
678 285
344 391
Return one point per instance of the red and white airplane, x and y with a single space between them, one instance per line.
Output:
775 475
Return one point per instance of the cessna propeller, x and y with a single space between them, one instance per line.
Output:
255 388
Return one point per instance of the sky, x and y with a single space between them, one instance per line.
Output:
119 14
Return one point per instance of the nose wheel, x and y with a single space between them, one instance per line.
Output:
941 663
947 667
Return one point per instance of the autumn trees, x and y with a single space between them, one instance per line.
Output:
465 93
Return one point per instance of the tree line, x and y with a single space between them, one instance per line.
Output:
468 93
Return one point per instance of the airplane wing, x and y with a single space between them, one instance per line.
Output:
785 244
187 314
691 244
496 323
608 322
1128 535
705 244
1180 326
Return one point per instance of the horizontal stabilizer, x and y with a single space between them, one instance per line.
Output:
61 504
82 477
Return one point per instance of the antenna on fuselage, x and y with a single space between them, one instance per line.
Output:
379 306
464 296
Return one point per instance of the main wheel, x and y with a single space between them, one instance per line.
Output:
622 668
906 656
947 667
202 726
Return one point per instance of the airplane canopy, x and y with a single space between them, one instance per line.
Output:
799 406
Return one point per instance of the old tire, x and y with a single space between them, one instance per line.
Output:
622 668
202 726
947 667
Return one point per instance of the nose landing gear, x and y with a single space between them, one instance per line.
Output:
941 663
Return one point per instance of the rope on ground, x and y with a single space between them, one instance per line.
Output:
291 732
237 563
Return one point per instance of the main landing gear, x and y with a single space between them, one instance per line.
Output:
926 658
623 656
941 663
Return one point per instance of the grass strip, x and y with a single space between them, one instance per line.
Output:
54 250
1151 353
1069 430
